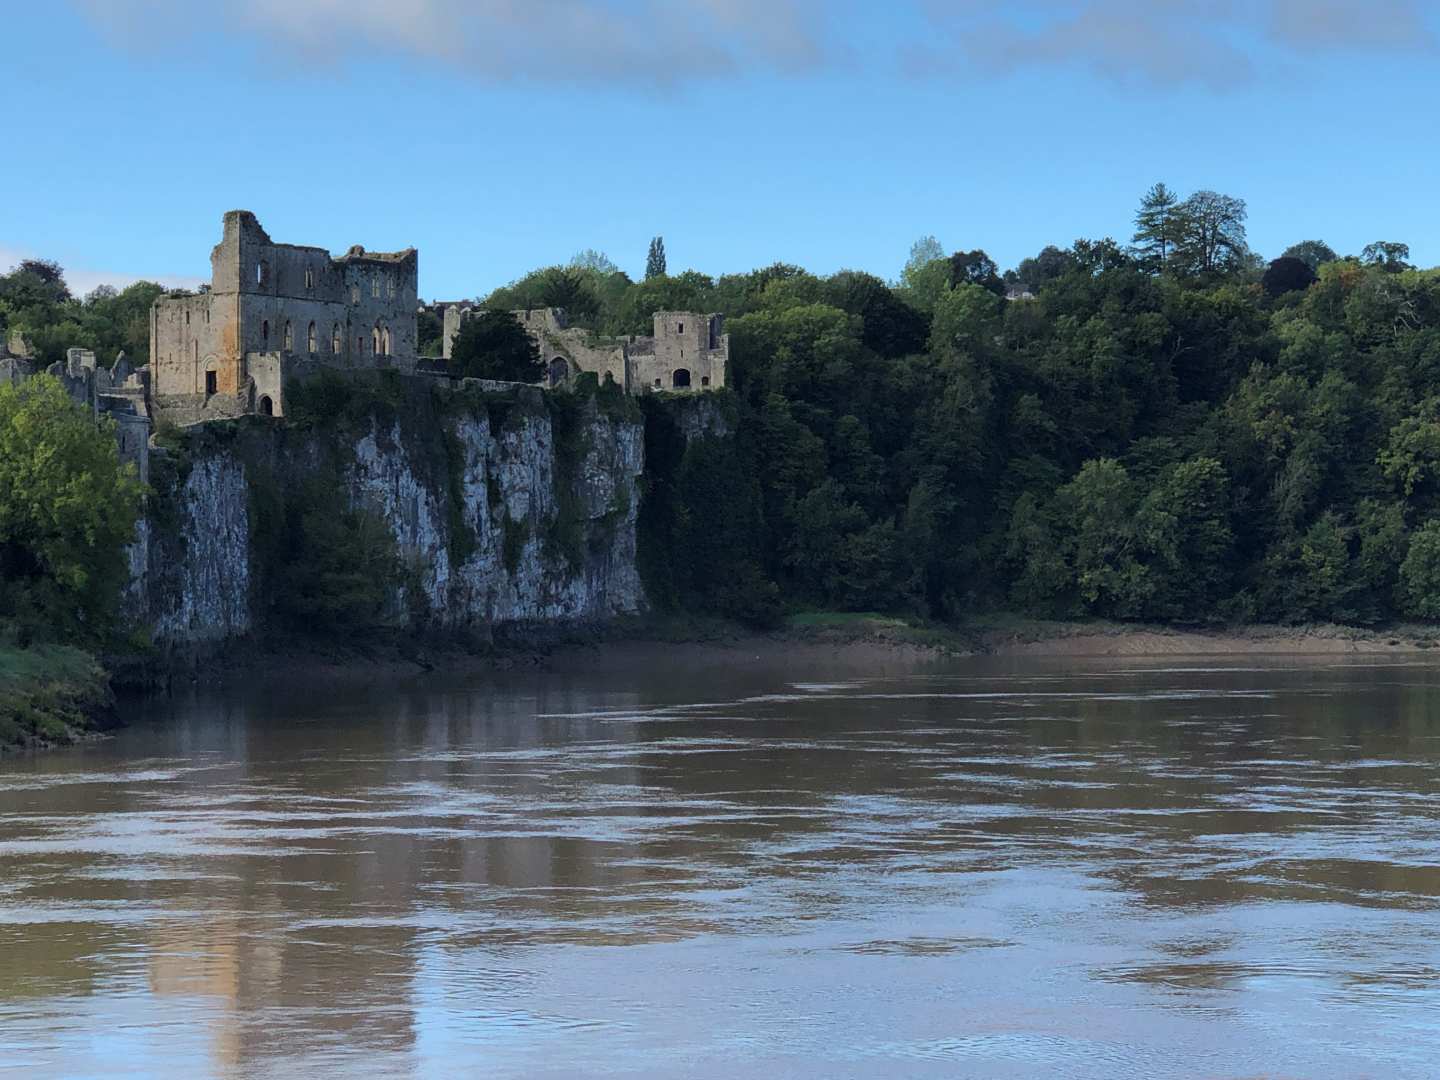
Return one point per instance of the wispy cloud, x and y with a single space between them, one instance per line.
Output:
654 42
1213 43
82 280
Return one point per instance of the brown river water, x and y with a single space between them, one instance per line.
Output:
762 869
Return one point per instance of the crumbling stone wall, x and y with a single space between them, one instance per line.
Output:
267 299
117 392
689 351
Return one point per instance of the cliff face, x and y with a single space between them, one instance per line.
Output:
503 507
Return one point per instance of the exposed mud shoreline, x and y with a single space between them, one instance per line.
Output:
879 645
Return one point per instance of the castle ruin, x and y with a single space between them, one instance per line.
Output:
688 351
273 311
117 392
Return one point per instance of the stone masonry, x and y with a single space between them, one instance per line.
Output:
272 311
688 351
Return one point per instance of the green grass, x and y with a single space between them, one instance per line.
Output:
49 694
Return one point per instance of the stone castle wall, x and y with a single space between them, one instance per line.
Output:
689 351
355 312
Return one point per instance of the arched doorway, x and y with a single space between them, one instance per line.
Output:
267 407
681 379
558 371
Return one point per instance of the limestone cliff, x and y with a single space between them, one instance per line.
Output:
504 506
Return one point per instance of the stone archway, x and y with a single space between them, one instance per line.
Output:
558 371
267 407
680 380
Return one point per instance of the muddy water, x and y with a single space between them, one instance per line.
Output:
1095 870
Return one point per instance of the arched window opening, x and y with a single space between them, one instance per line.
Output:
187 318
311 342
375 341
289 337
335 340
680 328
309 278
210 383
385 340
265 331
360 344
558 371
704 380
262 272
657 384
609 379
267 407
681 379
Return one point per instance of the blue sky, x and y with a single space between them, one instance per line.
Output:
501 135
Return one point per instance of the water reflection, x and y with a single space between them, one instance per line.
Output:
982 870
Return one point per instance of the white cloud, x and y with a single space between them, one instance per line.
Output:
1213 43
656 42
82 280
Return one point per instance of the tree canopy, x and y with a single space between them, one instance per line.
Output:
493 345
67 510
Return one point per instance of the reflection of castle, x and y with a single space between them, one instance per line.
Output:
689 351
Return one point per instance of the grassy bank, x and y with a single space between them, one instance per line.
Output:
50 695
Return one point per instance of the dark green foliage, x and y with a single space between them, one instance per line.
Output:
493 345
1387 255
1313 253
429 333
35 301
67 508
1158 226
1288 274
655 259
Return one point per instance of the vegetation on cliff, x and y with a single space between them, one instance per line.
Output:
67 509
1170 429
1166 430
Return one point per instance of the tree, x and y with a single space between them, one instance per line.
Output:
1287 274
923 252
1387 255
596 261
1157 227
1420 573
67 509
892 327
976 268
1313 253
1211 233
655 260
1044 268
493 345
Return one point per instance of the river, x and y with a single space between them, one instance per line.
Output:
760 869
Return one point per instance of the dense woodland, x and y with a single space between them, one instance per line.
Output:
1171 429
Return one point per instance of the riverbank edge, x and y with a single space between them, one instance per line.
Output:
809 636
50 696
54 695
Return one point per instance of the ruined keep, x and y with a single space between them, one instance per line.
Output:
688 351
273 311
